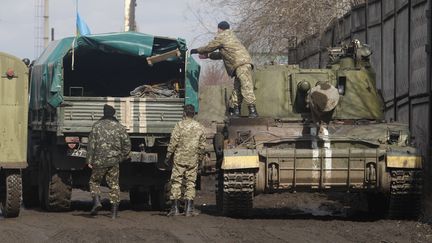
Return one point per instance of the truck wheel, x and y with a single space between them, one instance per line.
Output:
139 198
55 187
29 192
11 194
159 197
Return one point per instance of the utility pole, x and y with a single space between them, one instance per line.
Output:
129 22
42 30
46 23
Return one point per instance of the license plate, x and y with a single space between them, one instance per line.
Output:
79 153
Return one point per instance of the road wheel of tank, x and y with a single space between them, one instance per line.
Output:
30 194
55 187
159 197
11 194
238 193
138 198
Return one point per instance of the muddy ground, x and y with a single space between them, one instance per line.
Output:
283 217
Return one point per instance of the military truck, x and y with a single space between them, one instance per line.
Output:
13 131
320 130
146 78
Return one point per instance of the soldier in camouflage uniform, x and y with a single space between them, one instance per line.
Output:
238 64
187 144
322 100
109 144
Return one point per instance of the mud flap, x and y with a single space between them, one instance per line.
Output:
405 161
240 159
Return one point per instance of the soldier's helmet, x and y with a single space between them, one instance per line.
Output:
323 98
108 110
189 110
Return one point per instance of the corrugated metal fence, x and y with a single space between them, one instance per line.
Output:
399 33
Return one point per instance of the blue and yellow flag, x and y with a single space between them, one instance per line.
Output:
81 26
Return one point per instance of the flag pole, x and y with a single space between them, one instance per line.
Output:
76 33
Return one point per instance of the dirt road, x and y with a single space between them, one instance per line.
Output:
276 218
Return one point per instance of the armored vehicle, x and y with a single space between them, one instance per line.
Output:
146 78
319 130
13 131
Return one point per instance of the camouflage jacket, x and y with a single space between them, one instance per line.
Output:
187 142
231 51
109 143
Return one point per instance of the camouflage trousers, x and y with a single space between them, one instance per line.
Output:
183 175
243 87
111 175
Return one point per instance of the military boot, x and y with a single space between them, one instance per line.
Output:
114 211
96 205
235 111
252 111
190 209
174 211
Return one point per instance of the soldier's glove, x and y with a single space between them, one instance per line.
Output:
203 56
194 51
166 162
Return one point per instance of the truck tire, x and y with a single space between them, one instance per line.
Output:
159 197
55 187
11 194
139 199
29 192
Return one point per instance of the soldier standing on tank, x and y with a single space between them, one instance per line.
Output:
322 100
109 144
238 63
187 144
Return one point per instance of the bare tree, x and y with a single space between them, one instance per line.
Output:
271 26
214 74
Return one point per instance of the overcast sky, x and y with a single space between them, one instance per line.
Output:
170 18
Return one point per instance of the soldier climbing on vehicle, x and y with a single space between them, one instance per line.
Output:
238 64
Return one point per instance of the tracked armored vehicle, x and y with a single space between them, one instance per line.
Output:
320 130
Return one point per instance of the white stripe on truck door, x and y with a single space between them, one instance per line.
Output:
142 110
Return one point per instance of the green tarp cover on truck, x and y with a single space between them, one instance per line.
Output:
48 70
